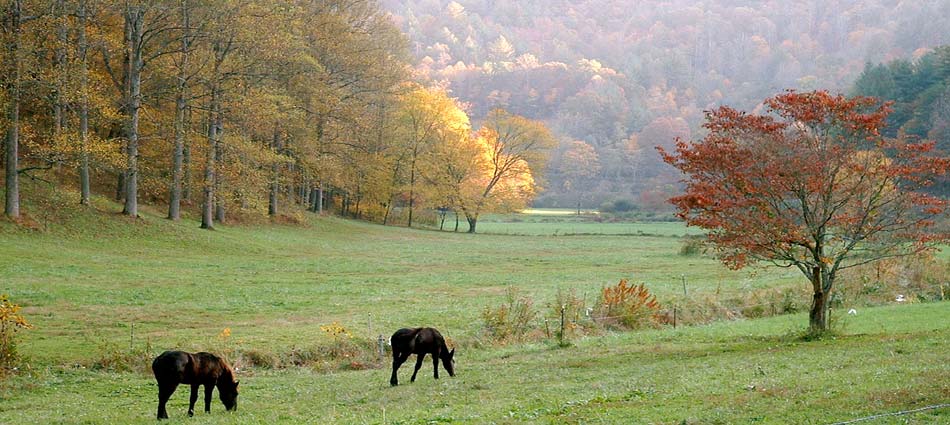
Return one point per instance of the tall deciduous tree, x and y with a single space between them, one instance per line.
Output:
13 19
516 150
579 165
812 185
182 98
426 115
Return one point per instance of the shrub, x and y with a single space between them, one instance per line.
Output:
692 246
261 359
511 320
627 306
115 359
617 206
575 310
11 321
921 277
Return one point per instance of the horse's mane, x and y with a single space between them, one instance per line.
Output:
227 374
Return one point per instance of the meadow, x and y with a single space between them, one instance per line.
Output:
98 287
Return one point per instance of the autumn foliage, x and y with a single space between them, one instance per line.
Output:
811 184
10 322
628 305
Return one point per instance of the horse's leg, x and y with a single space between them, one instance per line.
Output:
165 391
419 358
208 390
398 360
435 364
194 398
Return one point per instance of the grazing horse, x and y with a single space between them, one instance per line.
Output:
178 367
420 341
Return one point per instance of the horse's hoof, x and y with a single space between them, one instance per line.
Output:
190 413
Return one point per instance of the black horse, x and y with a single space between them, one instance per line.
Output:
178 367
420 341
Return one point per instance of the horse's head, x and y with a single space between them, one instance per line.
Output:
448 360
228 391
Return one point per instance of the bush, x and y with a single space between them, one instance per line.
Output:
259 359
627 306
692 246
618 206
921 277
575 310
115 359
11 321
511 320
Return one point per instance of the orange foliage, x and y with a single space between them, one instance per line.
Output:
632 306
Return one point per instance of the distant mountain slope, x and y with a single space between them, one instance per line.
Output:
624 76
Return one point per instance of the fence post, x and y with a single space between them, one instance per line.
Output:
683 276
132 337
674 317
560 336
380 345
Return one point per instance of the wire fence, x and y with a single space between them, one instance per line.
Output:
900 413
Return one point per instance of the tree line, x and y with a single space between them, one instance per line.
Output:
624 77
919 93
241 107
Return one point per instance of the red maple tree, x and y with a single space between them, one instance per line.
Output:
811 184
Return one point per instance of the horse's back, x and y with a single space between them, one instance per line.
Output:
171 365
402 339
416 340
429 334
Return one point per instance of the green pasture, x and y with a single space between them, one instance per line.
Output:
99 284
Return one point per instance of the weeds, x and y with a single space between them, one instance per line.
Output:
511 320
627 306
11 322
565 314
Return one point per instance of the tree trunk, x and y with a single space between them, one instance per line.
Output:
320 199
472 221
181 105
207 204
412 185
12 30
186 167
60 65
456 221
135 16
219 207
84 184
120 180
276 145
818 318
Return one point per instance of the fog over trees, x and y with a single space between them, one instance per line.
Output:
624 77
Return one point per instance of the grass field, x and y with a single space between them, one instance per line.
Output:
86 283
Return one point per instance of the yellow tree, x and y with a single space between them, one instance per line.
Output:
515 149
426 116
579 164
457 163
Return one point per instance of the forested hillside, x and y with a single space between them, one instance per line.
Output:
226 109
616 78
920 94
